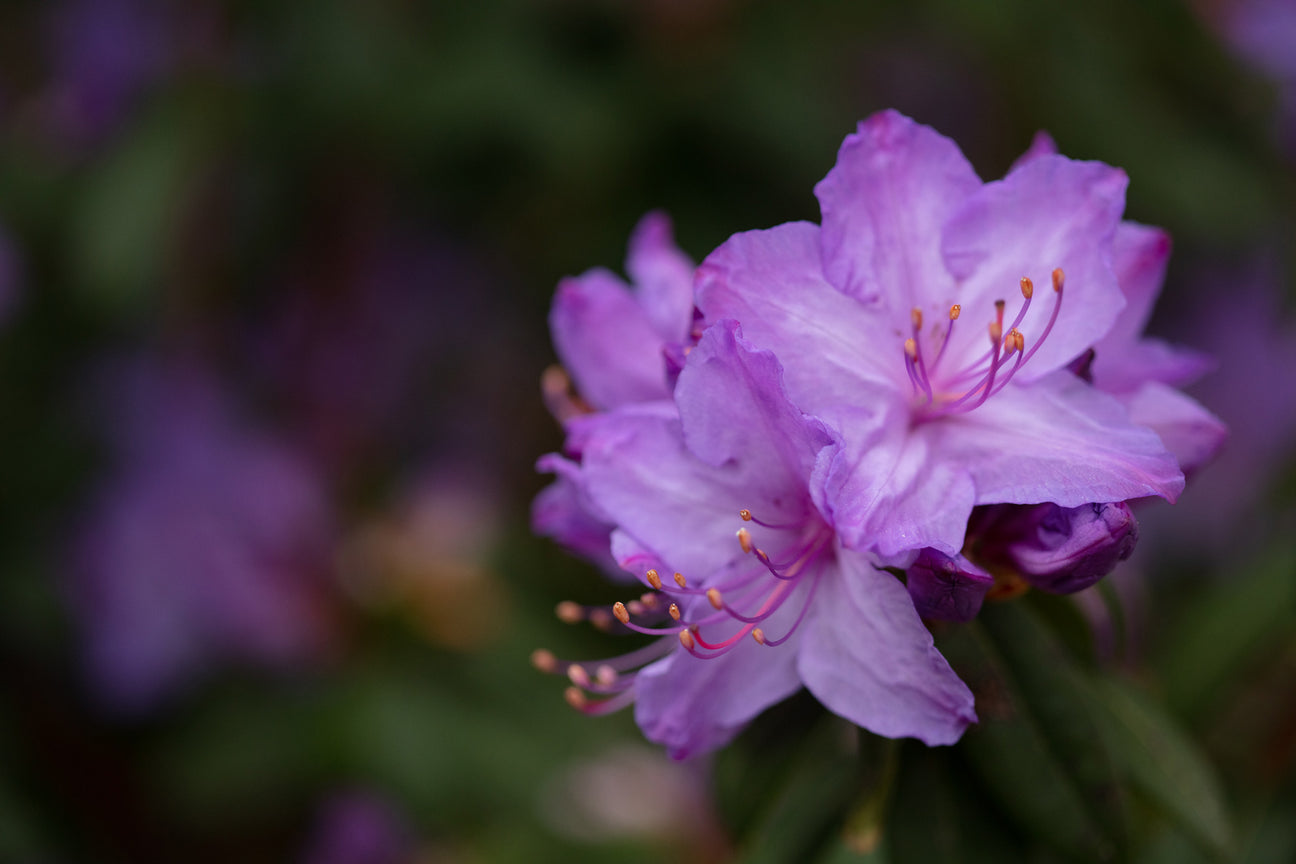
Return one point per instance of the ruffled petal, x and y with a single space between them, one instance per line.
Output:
662 276
772 282
759 429
1051 213
895 184
691 705
891 492
1058 440
866 655
641 475
1193 434
607 342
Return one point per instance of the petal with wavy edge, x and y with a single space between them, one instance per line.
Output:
866 655
1050 213
662 276
772 282
1058 440
759 429
890 491
1193 434
895 184
606 341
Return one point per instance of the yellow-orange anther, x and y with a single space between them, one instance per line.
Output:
648 601
622 614
674 611
1016 341
916 317
569 612
911 349
601 619
635 607
744 539
653 579
606 675
955 311
1058 279
745 514
575 698
714 598
555 381
680 580
1028 287
543 660
686 639
996 332
577 674
759 635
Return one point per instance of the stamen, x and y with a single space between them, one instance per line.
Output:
916 316
1059 280
621 613
543 660
1027 287
635 607
578 676
653 579
746 515
674 611
759 635
601 619
716 601
680 580
569 612
575 698
686 639
955 311
744 540
606 675
649 601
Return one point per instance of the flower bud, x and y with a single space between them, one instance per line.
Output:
1062 550
945 588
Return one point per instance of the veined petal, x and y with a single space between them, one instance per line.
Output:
607 342
894 186
1050 213
772 282
1193 434
680 508
867 656
691 705
890 489
759 428
1058 440
662 276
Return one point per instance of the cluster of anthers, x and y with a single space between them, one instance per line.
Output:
745 597
959 391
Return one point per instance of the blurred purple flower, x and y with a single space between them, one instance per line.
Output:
205 543
892 324
104 55
750 622
1262 33
358 827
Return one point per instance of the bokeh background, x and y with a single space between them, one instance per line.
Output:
274 280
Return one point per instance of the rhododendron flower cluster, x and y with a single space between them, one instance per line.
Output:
828 433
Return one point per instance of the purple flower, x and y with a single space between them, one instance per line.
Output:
620 347
746 623
203 546
931 322
1056 549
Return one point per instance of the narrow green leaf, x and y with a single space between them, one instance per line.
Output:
1162 763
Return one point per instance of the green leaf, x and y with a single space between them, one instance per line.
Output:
1161 762
1037 745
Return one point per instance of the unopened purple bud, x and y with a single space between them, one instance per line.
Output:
1063 550
945 588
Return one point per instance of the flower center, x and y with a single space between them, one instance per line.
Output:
707 621
940 388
